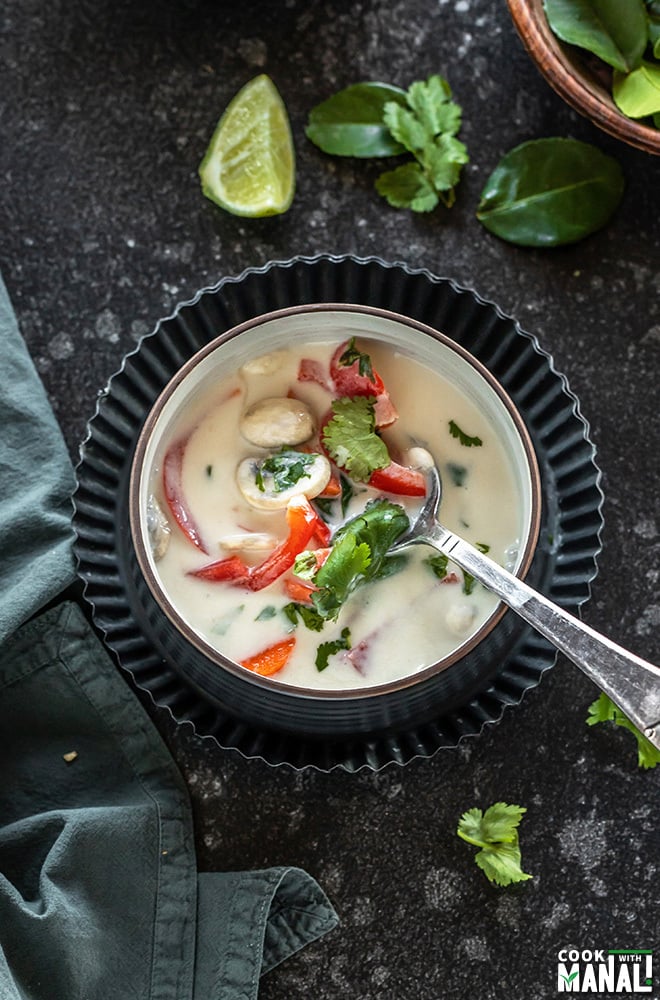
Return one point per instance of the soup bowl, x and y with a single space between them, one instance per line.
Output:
304 697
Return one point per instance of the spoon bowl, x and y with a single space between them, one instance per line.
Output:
631 682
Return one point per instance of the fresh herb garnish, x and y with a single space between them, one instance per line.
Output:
266 613
373 119
457 474
310 618
438 564
603 709
305 565
495 831
550 192
326 649
325 505
359 555
284 469
469 581
351 440
351 355
465 439
427 128
209 471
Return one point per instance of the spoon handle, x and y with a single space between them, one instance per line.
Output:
632 683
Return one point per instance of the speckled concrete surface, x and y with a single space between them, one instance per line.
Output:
106 110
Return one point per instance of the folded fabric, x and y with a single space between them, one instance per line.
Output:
99 892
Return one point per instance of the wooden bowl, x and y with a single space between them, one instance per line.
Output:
580 79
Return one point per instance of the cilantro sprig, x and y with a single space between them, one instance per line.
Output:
327 649
353 354
375 119
359 555
495 832
351 440
603 709
427 128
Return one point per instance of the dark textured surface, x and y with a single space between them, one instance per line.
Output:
106 111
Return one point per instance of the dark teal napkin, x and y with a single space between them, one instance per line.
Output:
99 892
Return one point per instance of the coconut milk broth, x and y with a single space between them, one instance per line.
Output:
402 623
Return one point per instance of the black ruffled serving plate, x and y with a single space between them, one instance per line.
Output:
563 567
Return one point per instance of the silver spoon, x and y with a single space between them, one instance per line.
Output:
632 683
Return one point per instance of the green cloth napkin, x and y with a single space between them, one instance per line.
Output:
99 892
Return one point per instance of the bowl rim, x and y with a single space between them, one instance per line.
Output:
279 687
547 53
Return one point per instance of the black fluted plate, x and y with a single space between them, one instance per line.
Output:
564 564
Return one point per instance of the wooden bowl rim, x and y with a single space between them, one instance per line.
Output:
584 96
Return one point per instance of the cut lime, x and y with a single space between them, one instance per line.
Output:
249 167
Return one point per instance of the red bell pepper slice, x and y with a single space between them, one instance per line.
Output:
303 522
271 659
173 491
347 379
399 479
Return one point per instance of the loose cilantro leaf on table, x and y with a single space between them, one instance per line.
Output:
326 649
495 831
603 709
465 439
351 440
364 120
359 555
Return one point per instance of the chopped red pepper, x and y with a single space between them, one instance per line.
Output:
271 659
399 479
303 522
347 379
299 591
311 370
173 490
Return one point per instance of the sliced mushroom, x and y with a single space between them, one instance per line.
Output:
248 541
260 489
158 528
265 364
277 421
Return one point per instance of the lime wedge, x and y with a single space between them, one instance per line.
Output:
249 167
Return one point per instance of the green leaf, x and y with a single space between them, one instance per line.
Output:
438 565
496 833
465 439
350 123
359 554
283 469
351 355
310 618
405 127
431 101
614 30
637 94
407 187
351 440
327 649
604 710
549 192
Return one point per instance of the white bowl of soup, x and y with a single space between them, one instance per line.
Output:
269 482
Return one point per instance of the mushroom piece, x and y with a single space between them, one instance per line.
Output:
158 528
265 364
277 421
261 488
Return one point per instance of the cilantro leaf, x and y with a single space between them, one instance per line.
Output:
326 649
351 355
359 554
310 618
351 440
469 581
603 709
427 128
305 565
407 187
465 439
495 831
438 564
285 468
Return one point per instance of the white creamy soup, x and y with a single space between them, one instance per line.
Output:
332 611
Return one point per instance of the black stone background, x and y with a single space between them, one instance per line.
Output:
106 109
